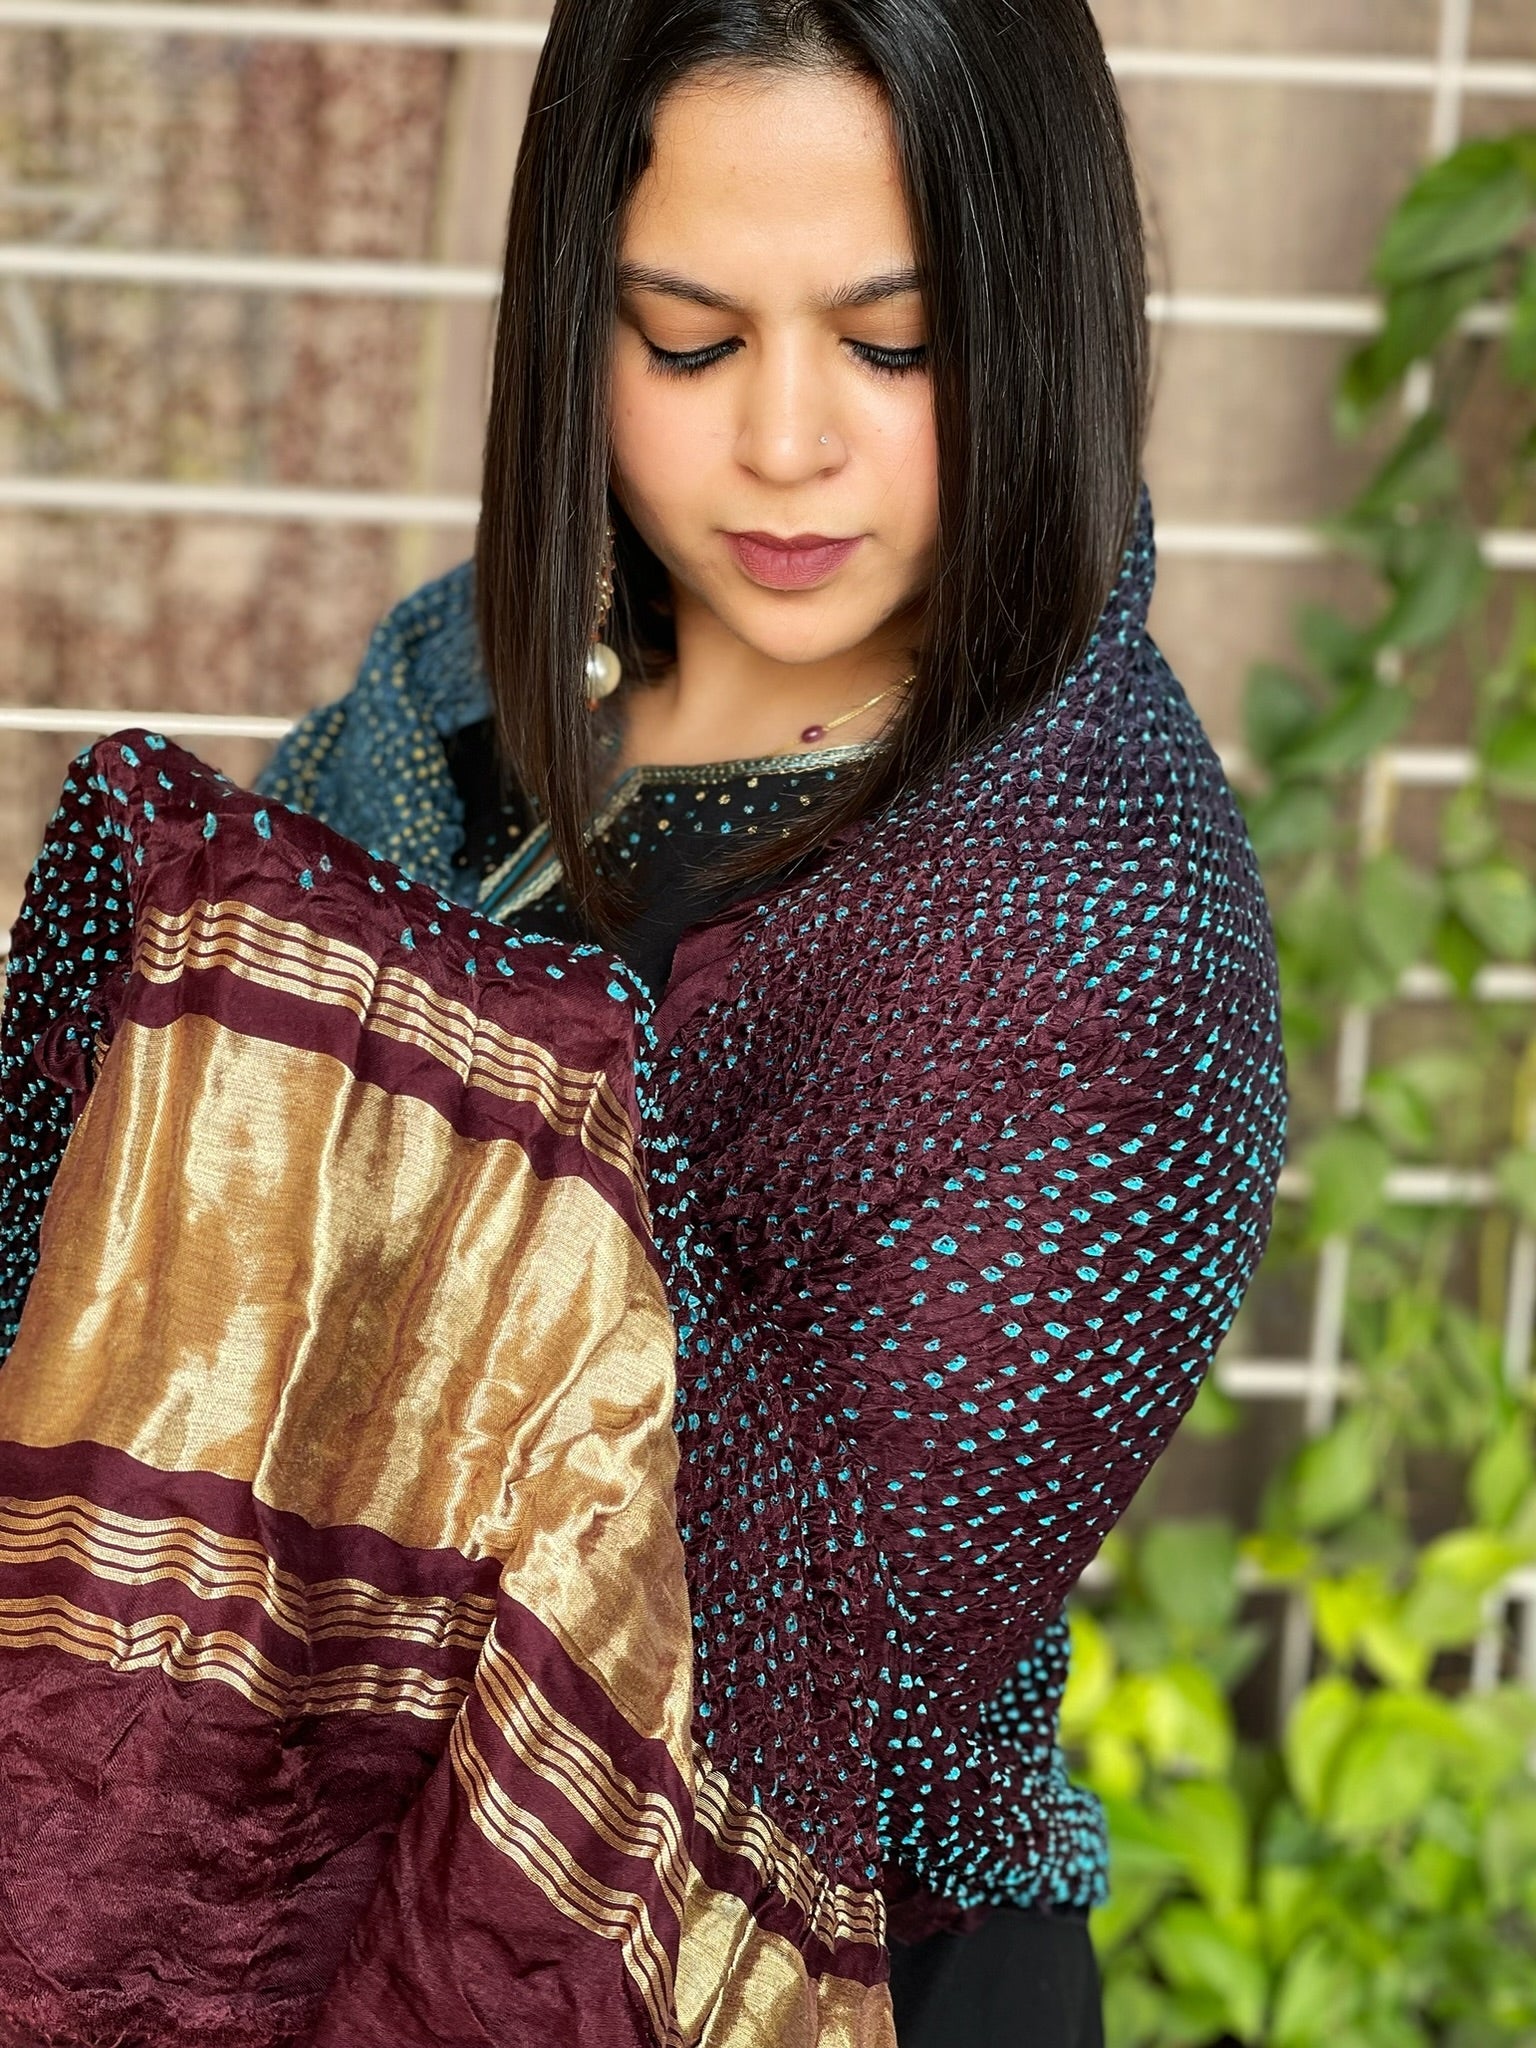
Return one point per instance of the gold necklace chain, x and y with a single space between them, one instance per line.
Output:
812 735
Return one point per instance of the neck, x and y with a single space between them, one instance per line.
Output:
725 701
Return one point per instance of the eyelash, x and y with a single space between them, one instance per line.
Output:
885 362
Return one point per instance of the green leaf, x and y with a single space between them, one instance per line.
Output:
1186 1722
1500 1728
1497 902
1213 1413
1365 717
1141 1841
1516 1176
1333 1477
1509 753
1189 1569
1280 1560
1465 209
1207 1824
1391 1652
1277 709
1296 818
1444 1606
1348 1166
1135 2009
1460 953
1357 1614
1399 1111
1469 831
1503 1474
1288 1903
1382 1776
1197 1953
1405 1102
1508 1855
1399 904
1419 316
1090 1674
1318 1727
1123 1913
1334 646
1520 345
1439 572
1320 1991
1423 469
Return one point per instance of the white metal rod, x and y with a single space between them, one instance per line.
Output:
92 724
1427 1187
281 24
1305 313
1232 542
1450 83
1490 985
234 501
248 273
1275 1379
1520 1309
1429 767
1497 80
1414 767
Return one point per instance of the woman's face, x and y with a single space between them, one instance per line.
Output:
770 376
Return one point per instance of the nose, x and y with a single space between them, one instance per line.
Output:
788 429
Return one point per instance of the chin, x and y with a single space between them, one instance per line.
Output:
798 630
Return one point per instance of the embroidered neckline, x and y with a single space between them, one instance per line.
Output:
532 869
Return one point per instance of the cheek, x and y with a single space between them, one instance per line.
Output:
659 439
906 449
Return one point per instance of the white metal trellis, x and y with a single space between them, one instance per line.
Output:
1320 1378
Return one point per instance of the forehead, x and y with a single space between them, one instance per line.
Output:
766 177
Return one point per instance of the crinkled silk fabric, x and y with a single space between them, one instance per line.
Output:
345 1646
984 1118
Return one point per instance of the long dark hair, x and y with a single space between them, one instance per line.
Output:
1029 244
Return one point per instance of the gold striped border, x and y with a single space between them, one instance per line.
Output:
644 1824
532 1847
291 959
835 1912
167 1643
129 1551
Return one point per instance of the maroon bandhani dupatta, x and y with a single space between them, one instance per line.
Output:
345 1666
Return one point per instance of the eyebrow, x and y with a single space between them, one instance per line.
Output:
869 291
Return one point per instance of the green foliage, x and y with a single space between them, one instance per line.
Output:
1368 1875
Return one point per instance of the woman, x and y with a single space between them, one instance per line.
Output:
964 1095
833 316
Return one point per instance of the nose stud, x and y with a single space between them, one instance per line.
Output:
823 440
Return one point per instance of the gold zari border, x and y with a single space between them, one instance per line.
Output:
528 1843
291 959
166 1642
129 1551
836 1912
644 1824
740 1986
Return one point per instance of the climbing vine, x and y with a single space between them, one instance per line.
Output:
1366 1871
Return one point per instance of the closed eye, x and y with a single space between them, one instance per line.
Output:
890 362
885 362
672 362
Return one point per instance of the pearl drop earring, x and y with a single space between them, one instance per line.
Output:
604 669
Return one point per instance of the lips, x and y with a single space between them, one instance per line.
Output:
790 562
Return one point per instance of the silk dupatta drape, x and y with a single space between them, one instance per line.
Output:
345 1649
